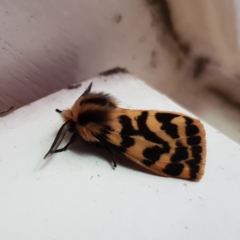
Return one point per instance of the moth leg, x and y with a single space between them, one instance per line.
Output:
114 165
72 139
59 111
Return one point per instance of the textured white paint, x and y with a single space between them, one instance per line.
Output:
77 195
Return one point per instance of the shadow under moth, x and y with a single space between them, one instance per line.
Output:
169 144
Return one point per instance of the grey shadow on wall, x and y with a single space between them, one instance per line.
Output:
37 74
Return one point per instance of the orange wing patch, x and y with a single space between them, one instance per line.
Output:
169 144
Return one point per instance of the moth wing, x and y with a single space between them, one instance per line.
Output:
169 144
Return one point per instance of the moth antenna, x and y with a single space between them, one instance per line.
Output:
72 139
67 126
88 90
59 111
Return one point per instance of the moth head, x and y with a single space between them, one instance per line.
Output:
70 114
68 126
86 92
67 115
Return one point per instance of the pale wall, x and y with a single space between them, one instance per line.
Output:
47 45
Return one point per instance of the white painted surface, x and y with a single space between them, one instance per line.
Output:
77 195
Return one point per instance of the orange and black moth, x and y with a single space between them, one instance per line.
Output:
169 144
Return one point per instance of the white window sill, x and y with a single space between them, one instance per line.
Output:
77 195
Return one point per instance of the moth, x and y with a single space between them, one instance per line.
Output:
169 144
